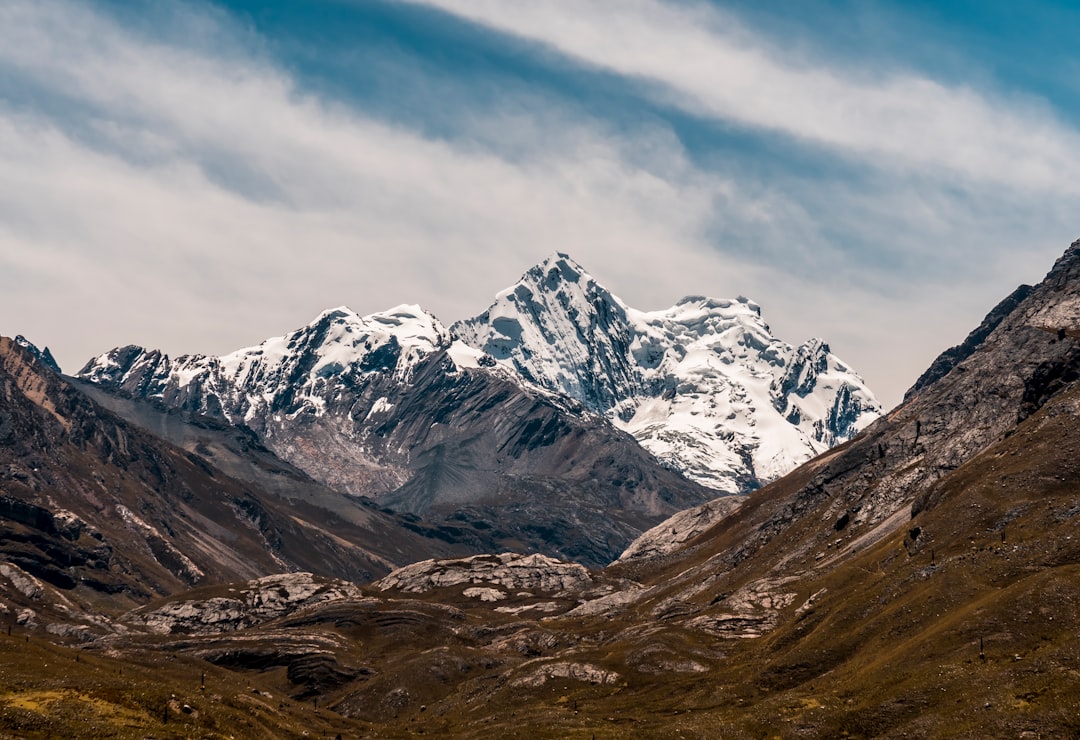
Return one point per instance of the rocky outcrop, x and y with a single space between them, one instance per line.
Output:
255 602
672 533
748 613
508 571
539 675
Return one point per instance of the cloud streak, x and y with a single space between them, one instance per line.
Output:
174 184
185 191
704 62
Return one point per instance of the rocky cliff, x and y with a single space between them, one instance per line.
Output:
702 385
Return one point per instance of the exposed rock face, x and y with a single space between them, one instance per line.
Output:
540 675
1033 352
750 612
509 571
253 603
672 533
393 411
25 583
702 385
44 356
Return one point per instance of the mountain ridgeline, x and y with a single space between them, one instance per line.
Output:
702 385
918 580
559 418
102 509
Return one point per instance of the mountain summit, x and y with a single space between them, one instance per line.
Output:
702 385
389 406
562 330
524 419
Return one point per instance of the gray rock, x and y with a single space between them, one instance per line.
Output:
255 602
510 571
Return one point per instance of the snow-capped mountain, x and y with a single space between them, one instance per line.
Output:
390 406
702 385
299 373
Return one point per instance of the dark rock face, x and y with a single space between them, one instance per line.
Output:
953 356
44 356
90 504
1026 352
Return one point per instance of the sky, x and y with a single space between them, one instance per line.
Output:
196 176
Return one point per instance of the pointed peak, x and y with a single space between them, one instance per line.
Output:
559 257
45 356
559 268
331 314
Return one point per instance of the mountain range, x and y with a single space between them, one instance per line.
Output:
517 420
917 580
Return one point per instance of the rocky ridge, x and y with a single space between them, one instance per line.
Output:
917 581
673 533
702 385
249 604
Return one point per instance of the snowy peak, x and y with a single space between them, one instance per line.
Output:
559 268
560 329
703 385
291 374
339 341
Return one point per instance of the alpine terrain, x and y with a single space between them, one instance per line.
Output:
702 385
919 580
523 421
108 513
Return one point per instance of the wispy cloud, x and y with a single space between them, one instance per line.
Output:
173 184
702 60
174 172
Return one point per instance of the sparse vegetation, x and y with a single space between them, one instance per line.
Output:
922 580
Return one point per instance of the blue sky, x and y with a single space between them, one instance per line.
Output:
197 176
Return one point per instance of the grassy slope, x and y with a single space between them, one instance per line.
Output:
890 648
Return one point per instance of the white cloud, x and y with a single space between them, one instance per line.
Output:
191 186
708 64
188 194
